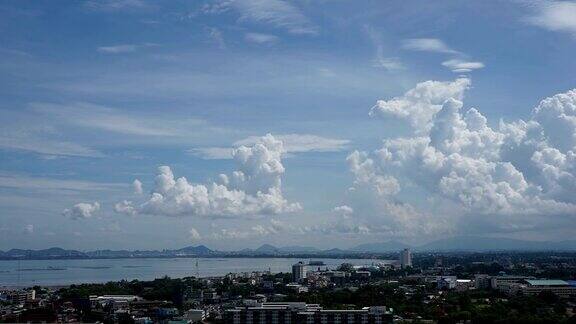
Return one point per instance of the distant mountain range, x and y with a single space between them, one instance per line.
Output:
270 249
473 243
58 253
452 244
470 244
40 254
381 247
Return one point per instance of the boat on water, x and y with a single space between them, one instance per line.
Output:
49 268
316 263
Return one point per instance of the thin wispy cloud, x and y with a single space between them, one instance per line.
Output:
116 120
380 59
557 16
124 48
276 13
461 66
194 234
42 140
105 118
191 76
28 229
117 49
459 63
300 143
264 229
117 5
428 45
50 184
212 153
389 63
215 35
292 143
260 38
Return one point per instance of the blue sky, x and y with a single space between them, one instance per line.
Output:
96 94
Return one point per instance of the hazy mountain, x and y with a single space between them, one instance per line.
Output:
267 249
335 251
390 246
473 243
195 250
457 243
299 249
116 253
51 253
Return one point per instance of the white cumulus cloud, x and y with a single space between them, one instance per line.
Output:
255 188
82 210
523 172
418 105
137 186
344 210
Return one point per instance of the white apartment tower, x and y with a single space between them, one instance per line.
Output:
298 271
405 258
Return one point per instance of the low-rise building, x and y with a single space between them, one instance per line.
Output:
482 281
558 287
464 284
19 296
114 300
195 315
297 288
446 282
298 312
361 274
502 282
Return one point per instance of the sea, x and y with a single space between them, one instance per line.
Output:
56 273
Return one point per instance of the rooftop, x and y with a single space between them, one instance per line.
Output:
545 282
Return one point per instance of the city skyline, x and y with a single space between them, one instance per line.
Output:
136 124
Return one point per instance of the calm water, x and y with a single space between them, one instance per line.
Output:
65 272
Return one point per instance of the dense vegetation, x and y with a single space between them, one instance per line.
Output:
451 307
158 289
558 265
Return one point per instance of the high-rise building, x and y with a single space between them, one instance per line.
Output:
298 271
405 258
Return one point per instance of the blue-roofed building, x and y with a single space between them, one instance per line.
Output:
559 287
547 282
